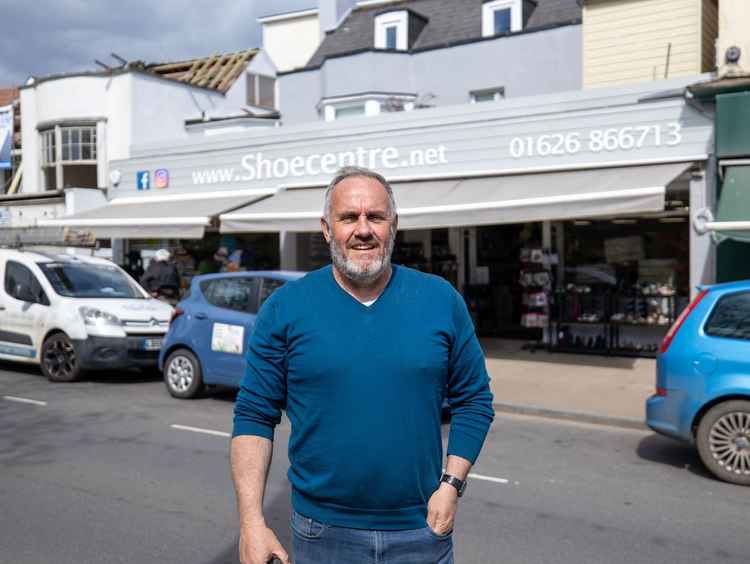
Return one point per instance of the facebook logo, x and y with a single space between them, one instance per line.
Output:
143 180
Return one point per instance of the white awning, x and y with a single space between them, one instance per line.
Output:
481 201
174 216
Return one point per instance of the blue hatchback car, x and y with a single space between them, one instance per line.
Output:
703 380
207 336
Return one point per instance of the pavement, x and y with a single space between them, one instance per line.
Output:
605 390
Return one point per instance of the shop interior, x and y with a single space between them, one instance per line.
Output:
214 253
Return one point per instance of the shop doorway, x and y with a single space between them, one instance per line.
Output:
496 294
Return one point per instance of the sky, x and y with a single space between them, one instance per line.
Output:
43 37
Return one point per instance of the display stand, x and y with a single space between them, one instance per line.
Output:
584 320
535 277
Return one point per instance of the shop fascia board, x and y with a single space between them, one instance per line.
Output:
267 144
510 110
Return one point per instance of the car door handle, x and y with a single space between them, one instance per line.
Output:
200 315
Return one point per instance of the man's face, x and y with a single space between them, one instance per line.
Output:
362 229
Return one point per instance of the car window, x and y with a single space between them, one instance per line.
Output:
731 317
15 274
238 293
270 285
87 280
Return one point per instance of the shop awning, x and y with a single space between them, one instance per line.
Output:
163 217
481 201
733 214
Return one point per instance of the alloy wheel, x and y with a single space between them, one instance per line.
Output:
180 373
729 440
60 359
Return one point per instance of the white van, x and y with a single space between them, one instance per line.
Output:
72 313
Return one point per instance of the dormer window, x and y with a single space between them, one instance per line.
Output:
391 30
501 16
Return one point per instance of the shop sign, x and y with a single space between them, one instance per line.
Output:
6 136
449 142
161 178
257 166
143 180
626 138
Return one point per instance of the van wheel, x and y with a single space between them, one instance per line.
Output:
183 375
60 362
723 440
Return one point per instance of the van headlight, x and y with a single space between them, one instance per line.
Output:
93 316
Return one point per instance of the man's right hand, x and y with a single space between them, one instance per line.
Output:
259 545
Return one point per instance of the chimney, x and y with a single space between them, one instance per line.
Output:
330 13
733 44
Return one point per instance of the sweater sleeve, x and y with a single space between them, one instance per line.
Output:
262 394
469 392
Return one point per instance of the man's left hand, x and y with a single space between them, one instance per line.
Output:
441 509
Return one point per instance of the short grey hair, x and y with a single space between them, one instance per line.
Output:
352 171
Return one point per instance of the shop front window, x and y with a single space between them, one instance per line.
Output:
624 282
69 157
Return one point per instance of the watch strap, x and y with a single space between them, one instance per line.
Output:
457 483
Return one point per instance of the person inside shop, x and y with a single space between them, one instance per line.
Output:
241 260
161 279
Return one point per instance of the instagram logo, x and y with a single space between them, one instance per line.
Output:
161 178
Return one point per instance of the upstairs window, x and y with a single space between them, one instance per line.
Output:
501 16
487 95
391 30
391 37
261 91
69 157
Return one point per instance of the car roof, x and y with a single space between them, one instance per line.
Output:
277 274
47 256
727 286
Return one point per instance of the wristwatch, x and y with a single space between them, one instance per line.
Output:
460 485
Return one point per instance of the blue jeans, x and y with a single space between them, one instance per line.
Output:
316 543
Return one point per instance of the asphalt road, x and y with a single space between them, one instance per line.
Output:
96 472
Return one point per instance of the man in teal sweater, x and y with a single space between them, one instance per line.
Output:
360 354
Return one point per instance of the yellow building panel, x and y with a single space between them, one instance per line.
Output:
626 41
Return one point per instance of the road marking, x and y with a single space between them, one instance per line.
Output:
24 400
223 434
199 430
488 478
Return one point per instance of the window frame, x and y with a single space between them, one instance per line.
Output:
252 305
488 16
35 287
53 150
394 18
253 93
497 92
338 109
715 309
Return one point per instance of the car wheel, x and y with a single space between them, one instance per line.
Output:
724 441
60 362
183 375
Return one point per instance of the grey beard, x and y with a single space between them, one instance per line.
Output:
359 275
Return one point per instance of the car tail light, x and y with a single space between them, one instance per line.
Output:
669 337
662 392
175 314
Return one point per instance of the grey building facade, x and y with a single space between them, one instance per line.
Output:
447 56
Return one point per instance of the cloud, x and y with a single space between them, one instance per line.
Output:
59 36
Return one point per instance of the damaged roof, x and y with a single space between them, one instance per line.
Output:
217 72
